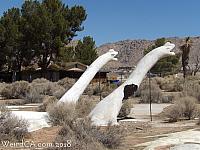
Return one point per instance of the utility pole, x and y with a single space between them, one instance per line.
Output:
99 86
150 95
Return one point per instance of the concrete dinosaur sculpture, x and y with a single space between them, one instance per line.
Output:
106 111
73 94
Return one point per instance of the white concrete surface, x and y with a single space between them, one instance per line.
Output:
179 138
141 111
36 120
186 147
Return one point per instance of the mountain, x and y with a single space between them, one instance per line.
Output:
131 51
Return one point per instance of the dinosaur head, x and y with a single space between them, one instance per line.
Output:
112 53
168 47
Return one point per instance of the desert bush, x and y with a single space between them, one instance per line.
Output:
189 106
143 92
38 90
61 114
40 80
80 132
66 83
111 137
126 108
192 88
2 86
11 127
170 83
85 105
17 89
79 136
93 89
184 107
47 100
173 113
68 112
85 136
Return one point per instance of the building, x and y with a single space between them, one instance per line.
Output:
53 73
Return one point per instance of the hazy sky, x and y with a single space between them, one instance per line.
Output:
114 20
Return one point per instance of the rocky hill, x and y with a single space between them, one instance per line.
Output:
131 51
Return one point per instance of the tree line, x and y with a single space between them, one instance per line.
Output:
39 31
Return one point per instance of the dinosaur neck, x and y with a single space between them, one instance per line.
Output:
143 66
73 94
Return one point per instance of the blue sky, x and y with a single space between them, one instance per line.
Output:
115 20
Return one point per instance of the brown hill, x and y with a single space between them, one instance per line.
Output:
131 51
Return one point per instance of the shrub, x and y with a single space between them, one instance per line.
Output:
37 91
111 137
2 86
47 100
85 105
40 80
170 83
173 113
17 89
11 127
185 107
192 88
189 107
126 108
62 114
156 93
85 136
79 136
68 112
66 83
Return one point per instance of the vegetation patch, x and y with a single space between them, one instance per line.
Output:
11 127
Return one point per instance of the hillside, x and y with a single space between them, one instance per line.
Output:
131 51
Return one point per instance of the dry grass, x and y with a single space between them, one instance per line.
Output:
11 127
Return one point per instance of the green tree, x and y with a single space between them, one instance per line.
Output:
12 52
165 65
85 51
50 24
2 39
66 54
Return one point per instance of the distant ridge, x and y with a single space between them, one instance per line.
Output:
131 51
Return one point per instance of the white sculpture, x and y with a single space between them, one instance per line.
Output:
106 111
73 94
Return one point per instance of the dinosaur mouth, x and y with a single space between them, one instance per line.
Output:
114 56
